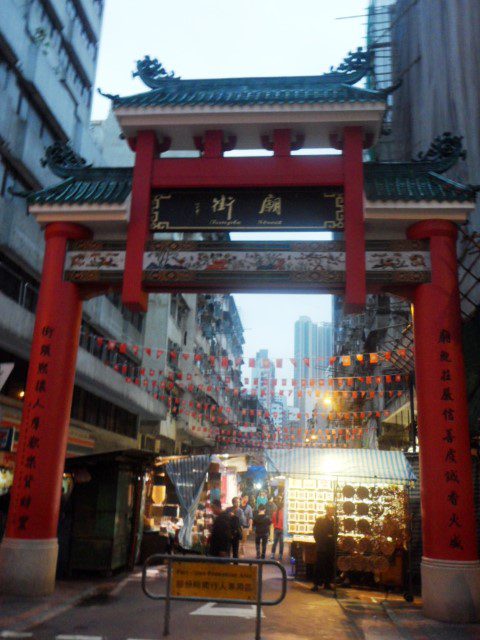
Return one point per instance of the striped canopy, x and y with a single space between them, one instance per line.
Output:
340 463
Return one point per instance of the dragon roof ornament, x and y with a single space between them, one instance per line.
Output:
443 153
62 160
152 73
353 68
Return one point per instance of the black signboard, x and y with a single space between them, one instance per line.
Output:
247 209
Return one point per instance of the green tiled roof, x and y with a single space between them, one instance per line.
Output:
398 181
413 181
88 186
407 181
334 87
248 91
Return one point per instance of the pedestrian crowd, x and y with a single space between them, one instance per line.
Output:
265 518
232 527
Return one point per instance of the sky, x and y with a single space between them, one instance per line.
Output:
225 38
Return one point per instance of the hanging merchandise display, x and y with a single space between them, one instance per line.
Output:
369 490
373 531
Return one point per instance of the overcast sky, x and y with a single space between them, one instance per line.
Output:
223 38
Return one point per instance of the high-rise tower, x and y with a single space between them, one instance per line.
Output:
313 347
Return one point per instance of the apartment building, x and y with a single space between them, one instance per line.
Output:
48 58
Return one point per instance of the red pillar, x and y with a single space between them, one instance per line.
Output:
450 568
29 551
146 149
355 286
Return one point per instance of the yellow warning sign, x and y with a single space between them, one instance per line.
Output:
210 580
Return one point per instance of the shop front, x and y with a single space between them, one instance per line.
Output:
101 516
369 490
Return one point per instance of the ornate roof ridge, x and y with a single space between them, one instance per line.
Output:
443 153
353 68
212 85
94 174
64 162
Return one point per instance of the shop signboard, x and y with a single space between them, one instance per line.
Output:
247 209
211 580
218 267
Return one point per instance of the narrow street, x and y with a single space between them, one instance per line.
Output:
117 609
126 613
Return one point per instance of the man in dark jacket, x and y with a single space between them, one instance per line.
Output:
236 520
221 536
261 524
324 534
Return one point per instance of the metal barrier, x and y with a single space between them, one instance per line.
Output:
211 562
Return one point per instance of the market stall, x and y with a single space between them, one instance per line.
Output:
369 490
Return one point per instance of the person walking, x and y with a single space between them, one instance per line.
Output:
261 500
277 520
221 534
246 525
261 524
236 521
324 534
270 509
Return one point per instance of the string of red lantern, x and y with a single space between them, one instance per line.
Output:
266 363
339 381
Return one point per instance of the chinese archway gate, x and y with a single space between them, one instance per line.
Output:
398 222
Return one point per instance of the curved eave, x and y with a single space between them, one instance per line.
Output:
249 122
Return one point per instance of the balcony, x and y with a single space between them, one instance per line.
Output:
110 320
16 328
94 376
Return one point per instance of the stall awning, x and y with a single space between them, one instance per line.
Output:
340 463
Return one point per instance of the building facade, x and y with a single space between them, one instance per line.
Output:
48 58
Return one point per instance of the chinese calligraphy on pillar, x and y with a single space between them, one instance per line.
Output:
449 452
33 422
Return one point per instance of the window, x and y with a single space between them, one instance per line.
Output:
18 285
135 319
87 407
